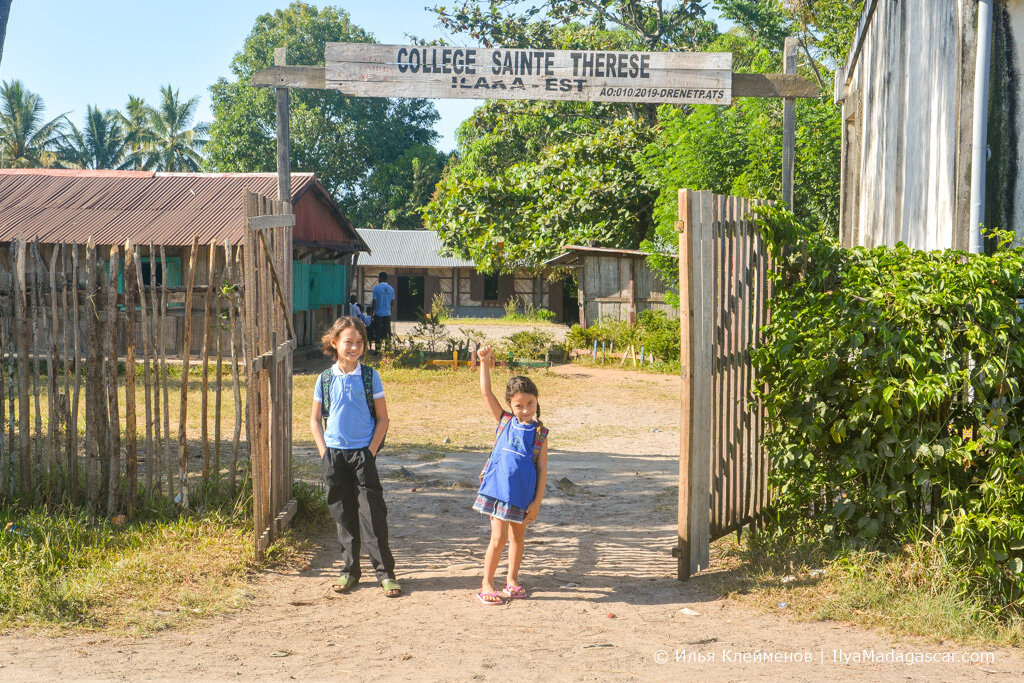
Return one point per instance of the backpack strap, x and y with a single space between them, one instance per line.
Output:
538 441
503 422
325 393
367 373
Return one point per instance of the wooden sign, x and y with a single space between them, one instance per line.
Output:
369 70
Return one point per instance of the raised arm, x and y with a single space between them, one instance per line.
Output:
486 356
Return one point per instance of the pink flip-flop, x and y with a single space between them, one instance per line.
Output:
511 592
490 603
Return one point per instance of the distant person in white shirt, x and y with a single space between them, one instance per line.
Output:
383 300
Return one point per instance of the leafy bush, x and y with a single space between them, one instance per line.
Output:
528 314
894 397
654 330
527 344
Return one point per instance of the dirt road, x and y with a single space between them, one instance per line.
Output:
604 602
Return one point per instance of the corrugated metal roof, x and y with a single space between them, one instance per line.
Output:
407 248
572 252
59 205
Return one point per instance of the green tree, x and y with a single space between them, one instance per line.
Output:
395 192
138 133
582 189
100 143
343 139
25 140
175 144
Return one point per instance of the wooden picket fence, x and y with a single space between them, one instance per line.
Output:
66 419
724 289
269 358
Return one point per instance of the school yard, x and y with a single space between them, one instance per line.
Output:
604 604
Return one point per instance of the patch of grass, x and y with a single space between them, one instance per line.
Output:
913 590
59 569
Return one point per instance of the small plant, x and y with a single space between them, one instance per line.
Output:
512 309
430 333
529 313
527 344
439 308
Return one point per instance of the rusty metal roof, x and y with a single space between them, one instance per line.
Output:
60 205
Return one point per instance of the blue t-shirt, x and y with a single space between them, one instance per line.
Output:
349 425
383 295
511 476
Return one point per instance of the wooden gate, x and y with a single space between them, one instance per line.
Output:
723 290
270 342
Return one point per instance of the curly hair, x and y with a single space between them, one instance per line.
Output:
520 384
329 340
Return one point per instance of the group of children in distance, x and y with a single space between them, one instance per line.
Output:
349 422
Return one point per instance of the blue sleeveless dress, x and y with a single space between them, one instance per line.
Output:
509 481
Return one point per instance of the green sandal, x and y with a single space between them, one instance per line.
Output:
392 589
344 583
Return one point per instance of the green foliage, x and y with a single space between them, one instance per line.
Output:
570 24
26 141
576 190
894 397
347 141
737 151
526 344
527 312
439 308
654 331
100 143
396 191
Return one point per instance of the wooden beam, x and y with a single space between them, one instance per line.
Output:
789 128
773 85
272 221
284 168
291 77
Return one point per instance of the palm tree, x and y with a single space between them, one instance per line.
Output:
100 144
138 133
176 146
25 141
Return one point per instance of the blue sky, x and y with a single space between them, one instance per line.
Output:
75 53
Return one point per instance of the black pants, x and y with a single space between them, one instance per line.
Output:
381 329
356 501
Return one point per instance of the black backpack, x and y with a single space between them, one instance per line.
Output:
325 392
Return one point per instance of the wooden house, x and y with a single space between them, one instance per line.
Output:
613 283
416 269
169 210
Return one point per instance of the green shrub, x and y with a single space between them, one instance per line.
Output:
653 330
527 344
894 398
529 312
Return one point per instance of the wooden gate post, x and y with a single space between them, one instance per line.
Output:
694 226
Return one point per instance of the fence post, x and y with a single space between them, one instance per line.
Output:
695 209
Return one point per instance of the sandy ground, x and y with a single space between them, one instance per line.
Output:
604 602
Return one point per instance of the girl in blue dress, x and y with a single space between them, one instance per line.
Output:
513 479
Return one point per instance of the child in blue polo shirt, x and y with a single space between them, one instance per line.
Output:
348 436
